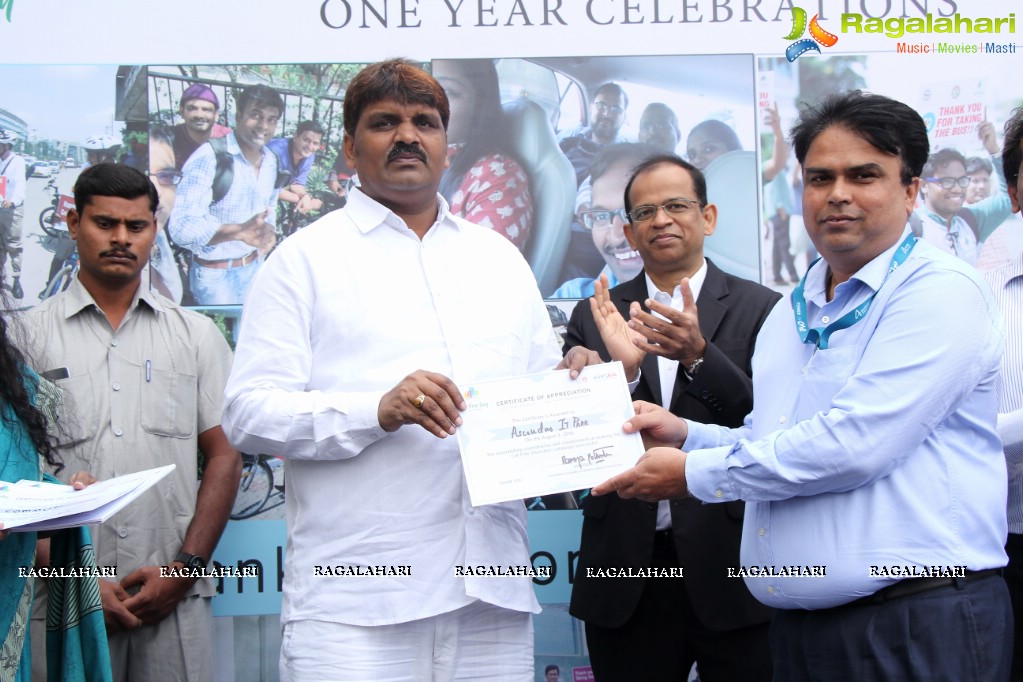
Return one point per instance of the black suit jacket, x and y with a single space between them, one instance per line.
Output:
619 532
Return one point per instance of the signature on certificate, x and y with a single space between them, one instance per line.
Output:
595 456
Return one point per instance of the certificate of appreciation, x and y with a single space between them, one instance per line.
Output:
546 433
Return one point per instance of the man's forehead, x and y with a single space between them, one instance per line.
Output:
390 104
198 103
953 166
666 173
609 189
264 109
859 152
118 208
608 97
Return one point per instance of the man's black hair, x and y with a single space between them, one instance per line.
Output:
309 127
978 164
259 95
940 159
113 180
1012 156
887 124
699 181
161 133
551 667
614 89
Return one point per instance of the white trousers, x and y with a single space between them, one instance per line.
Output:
476 642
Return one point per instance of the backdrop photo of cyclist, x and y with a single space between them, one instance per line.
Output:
225 211
296 155
303 199
199 110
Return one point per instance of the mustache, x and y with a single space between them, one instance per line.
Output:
118 253
400 148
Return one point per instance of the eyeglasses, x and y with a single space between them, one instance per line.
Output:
605 108
602 218
167 178
678 206
949 183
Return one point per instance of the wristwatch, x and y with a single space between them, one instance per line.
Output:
693 368
191 561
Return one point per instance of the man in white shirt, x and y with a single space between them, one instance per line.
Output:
345 309
12 200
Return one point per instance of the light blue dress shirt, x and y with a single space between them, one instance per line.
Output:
879 451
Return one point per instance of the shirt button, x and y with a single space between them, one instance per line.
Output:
117 386
762 531
770 588
122 532
825 319
114 343
803 370
781 419
718 493
118 432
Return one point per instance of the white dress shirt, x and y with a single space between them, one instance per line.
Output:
667 368
1007 286
341 313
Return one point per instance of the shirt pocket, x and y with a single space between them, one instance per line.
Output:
827 372
76 411
168 403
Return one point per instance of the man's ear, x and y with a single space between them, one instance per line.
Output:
1014 197
72 220
914 187
348 147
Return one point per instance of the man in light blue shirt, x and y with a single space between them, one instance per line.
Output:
870 464
1007 286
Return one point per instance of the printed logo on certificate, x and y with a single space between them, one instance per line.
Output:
545 433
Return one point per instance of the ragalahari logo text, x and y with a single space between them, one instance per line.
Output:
804 45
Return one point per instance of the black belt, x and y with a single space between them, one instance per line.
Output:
911 586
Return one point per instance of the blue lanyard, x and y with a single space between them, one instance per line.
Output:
819 335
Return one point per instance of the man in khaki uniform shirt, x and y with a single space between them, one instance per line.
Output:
144 381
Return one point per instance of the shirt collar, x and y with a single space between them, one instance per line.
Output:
369 214
77 298
695 284
1010 271
872 274
233 148
948 224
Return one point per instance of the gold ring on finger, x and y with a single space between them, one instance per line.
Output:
419 400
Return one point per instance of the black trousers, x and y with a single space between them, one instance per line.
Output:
663 638
1014 579
954 633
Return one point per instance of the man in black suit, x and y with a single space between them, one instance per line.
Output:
694 360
